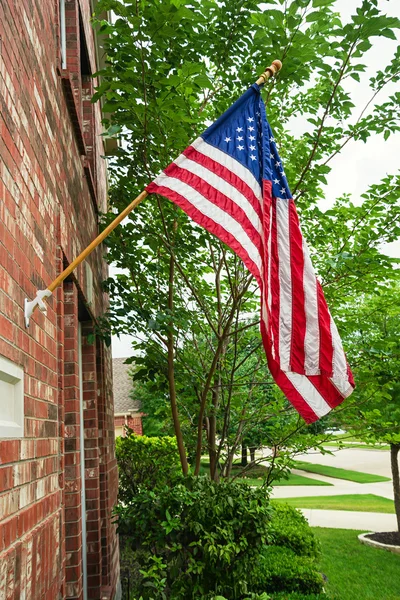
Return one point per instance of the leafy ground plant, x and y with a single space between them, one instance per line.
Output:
195 538
144 463
199 538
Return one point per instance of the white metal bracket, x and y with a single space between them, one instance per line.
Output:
37 302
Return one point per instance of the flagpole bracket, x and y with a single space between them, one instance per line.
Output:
31 305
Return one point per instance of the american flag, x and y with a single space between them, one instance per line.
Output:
231 181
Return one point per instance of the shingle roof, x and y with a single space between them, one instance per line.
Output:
122 386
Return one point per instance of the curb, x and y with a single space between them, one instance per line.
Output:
368 542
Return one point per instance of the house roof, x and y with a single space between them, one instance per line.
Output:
122 387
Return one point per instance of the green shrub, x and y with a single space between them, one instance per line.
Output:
289 528
195 538
144 463
280 569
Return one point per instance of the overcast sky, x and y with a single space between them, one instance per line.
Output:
358 165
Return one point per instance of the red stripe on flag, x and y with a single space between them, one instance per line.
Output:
297 352
218 198
208 224
294 397
226 174
325 336
328 391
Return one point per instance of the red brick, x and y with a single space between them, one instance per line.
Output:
6 478
9 451
44 192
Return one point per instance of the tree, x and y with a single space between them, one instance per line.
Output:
172 67
374 345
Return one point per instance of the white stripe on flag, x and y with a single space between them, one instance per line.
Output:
222 186
342 385
269 292
213 212
309 393
340 377
339 360
230 163
311 340
285 283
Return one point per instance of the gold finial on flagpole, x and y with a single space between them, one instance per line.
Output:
269 72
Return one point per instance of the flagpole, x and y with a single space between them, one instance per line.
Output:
38 302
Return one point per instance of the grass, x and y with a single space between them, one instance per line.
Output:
299 480
351 502
355 571
356 476
257 474
360 445
292 480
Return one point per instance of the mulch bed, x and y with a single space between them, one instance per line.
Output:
386 537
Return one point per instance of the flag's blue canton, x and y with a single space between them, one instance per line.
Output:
244 133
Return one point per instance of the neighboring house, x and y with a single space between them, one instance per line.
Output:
58 473
126 409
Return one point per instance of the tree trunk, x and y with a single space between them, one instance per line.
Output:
212 449
394 461
244 455
252 453
171 373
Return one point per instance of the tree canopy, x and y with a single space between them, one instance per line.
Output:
172 67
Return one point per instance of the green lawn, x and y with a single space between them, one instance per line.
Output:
257 474
348 436
356 476
299 480
355 571
363 446
293 480
357 502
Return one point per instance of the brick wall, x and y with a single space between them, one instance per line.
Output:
134 422
52 186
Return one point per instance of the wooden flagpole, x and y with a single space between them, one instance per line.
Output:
30 306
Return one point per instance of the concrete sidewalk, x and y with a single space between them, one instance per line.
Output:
367 461
342 519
